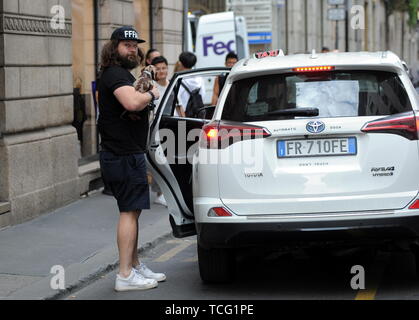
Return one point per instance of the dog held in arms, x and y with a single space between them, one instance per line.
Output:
143 84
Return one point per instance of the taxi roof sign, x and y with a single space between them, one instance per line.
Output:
270 53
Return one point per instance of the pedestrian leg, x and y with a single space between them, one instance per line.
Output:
126 238
135 260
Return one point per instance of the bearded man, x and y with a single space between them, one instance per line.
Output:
123 148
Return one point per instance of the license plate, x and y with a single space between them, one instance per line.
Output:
317 147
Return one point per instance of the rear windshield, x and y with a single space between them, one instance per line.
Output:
335 94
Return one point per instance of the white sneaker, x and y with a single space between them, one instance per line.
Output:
161 200
144 271
135 281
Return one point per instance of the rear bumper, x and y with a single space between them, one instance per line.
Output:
276 234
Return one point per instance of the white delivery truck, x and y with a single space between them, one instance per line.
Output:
215 36
211 37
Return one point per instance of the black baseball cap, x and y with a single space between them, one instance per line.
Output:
126 33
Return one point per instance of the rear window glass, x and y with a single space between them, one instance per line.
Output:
335 94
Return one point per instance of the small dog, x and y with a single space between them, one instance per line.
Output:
143 84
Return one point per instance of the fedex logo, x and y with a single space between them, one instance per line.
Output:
219 48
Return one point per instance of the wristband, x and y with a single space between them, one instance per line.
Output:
153 97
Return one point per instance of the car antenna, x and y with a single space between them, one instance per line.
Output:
314 54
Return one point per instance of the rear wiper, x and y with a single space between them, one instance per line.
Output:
299 112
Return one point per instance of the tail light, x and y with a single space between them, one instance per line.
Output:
222 135
405 125
219 212
415 205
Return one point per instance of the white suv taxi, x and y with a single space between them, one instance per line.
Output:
299 149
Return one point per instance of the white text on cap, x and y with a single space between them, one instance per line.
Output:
131 34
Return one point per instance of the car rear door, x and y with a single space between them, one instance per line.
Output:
172 143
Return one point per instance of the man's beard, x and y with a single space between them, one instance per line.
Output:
127 62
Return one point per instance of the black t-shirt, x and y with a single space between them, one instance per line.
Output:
119 133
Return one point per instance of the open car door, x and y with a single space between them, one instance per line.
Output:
172 142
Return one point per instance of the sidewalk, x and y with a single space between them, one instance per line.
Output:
81 237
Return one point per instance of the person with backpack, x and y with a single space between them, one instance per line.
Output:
191 89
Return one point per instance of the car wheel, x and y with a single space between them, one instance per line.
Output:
216 265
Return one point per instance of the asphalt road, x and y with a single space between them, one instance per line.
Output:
302 276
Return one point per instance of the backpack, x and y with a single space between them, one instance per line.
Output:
195 102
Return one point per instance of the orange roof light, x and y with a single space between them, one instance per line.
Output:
314 69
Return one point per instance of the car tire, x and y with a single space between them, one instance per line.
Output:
415 251
216 265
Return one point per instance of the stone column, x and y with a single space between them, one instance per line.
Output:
167 23
38 145
113 14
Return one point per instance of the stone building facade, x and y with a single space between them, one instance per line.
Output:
302 25
38 144
49 51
